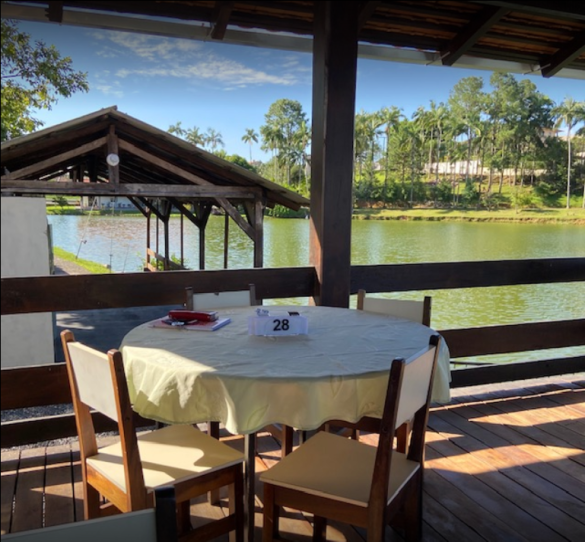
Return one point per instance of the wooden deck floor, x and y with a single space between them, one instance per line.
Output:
504 462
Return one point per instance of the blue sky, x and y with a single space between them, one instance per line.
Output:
229 88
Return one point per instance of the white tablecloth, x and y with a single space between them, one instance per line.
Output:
338 371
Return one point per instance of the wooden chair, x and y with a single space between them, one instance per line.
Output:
220 300
151 525
126 473
339 479
416 311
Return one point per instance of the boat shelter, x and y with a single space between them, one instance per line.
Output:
108 153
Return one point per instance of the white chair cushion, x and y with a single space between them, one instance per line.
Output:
335 467
168 455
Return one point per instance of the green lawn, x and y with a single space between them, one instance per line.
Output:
572 215
92 267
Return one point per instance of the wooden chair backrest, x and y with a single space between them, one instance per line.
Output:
408 398
220 300
93 378
416 311
98 382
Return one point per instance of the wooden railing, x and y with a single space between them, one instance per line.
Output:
47 384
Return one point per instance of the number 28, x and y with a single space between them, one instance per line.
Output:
281 325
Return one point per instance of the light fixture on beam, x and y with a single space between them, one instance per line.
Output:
112 159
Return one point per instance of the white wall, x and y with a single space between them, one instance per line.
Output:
27 339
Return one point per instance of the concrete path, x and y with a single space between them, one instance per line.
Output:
103 328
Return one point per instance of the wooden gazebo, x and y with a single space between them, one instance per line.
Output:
108 153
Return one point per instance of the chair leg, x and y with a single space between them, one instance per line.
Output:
91 502
413 513
184 517
236 506
213 431
287 440
319 528
271 515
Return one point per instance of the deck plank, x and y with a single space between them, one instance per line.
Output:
28 509
59 501
504 462
10 461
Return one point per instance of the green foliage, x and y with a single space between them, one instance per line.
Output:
33 77
470 194
61 201
280 211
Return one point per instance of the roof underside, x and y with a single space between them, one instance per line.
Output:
526 37
77 149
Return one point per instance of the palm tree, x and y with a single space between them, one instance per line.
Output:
250 137
195 137
569 113
214 139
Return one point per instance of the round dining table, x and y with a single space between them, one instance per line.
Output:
338 370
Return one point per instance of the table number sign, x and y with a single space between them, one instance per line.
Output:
277 324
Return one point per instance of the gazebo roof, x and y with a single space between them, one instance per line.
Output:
148 156
518 36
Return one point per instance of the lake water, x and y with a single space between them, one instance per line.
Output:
120 242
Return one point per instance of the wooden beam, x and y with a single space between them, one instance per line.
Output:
184 211
564 56
569 10
478 27
116 290
138 205
366 11
54 160
221 17
55 12
490 340
479 376
211 192
334 87
171 168
439 276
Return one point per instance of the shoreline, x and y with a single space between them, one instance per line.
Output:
574 216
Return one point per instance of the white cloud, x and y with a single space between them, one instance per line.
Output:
223 71
110 89
190 60
152 47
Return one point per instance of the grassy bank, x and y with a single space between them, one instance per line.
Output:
572 216
92 267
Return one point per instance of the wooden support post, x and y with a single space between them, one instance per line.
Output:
334 87
149 213
226 241
182 244
259 229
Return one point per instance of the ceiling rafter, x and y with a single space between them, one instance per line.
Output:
560 8
221 17
478 27
564 56
366 11
55 12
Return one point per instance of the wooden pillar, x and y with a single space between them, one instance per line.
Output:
259 233
334 87
148 237
226 240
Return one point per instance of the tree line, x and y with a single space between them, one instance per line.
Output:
482 149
